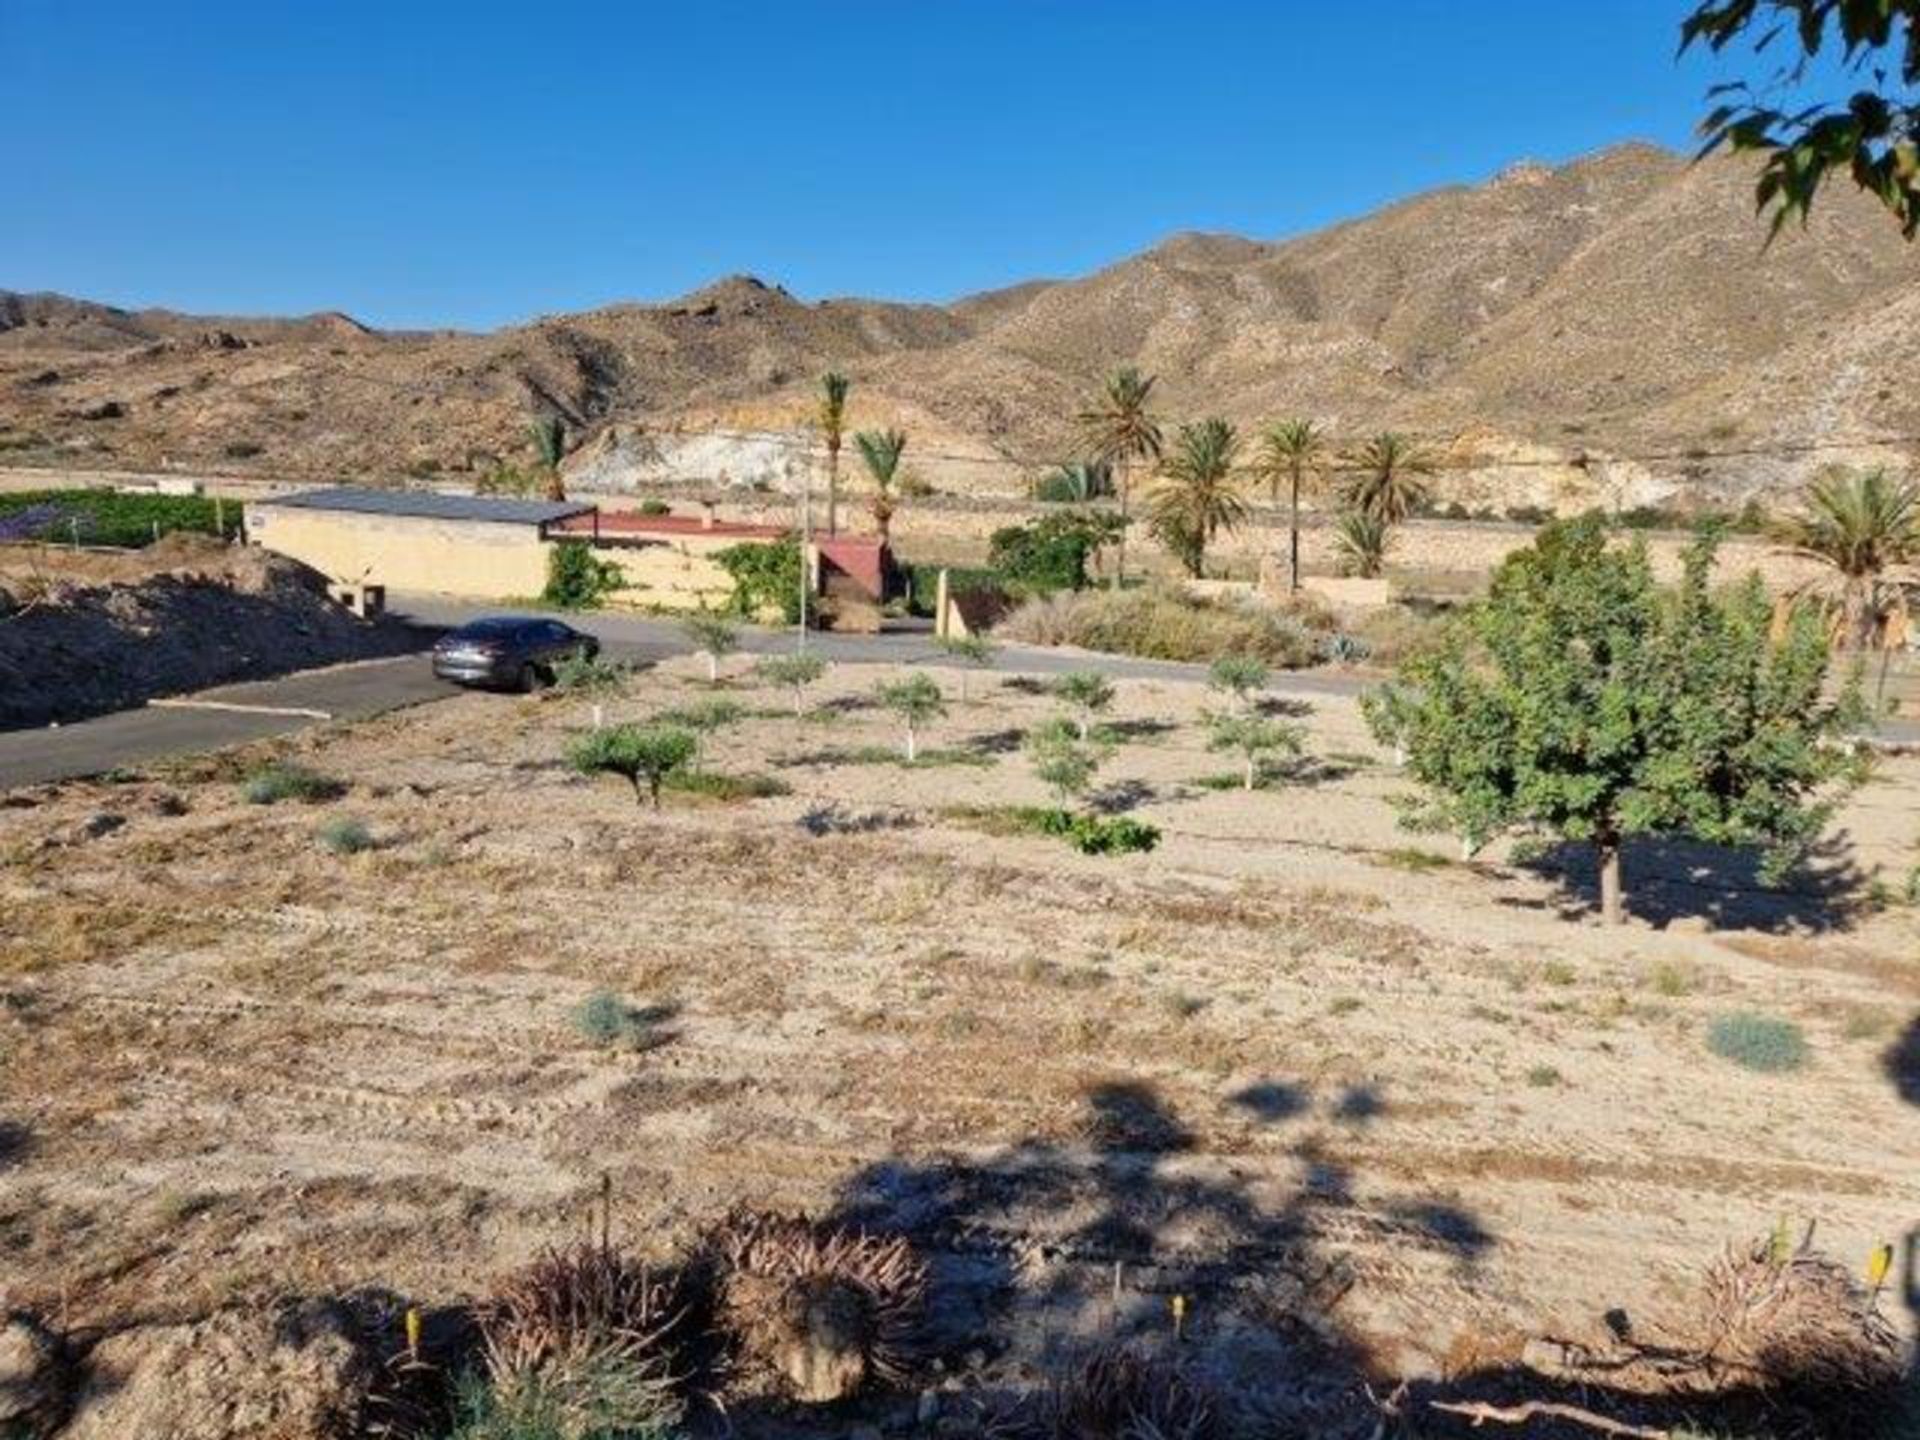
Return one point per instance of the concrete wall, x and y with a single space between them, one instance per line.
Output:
677 573
404 552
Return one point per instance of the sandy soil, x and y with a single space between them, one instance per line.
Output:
1284 1064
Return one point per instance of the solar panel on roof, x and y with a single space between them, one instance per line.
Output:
430 505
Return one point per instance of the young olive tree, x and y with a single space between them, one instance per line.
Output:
793 672
1089 693
1254 738
1063 759
916 700
1239 676
1583 700
714 636
972 651
645 755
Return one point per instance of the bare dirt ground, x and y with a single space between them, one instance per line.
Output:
1390 1108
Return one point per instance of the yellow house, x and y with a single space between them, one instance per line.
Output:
478 546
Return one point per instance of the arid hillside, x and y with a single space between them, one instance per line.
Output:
1615 327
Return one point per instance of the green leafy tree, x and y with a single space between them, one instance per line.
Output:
916 700
1361 540
550 444
1582 700
1872 136
881 450
793 672
1857 525
834 388
1121 431
1052 552
765 576
972 651
1199 493
1089 692
578 579
1240 676
1291 450
1390 481
1254 738
645 755
1063 759
714 636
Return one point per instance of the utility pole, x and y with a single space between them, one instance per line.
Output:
806 537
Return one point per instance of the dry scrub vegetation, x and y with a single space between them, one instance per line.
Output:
1337 1109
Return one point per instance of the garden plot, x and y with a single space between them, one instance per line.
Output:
1347 1096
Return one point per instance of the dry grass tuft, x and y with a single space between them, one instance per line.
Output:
586 1336
823 1310
1800 1326
1120 1394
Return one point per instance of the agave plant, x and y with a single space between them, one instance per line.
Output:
1119 1394
1120 430
1389 484
1857 525
1199 494
1076 483
820 1310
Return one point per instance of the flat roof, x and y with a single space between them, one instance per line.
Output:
430 505
612 524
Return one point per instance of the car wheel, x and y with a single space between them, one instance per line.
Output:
529 679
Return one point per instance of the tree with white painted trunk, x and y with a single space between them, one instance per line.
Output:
714 636
1585 702
916 700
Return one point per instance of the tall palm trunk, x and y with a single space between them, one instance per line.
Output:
1293 536
833 485
1122 472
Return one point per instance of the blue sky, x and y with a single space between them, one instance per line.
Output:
420 163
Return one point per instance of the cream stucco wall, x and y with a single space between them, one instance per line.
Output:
407 552
674 574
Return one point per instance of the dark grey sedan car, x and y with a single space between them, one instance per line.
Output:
516 652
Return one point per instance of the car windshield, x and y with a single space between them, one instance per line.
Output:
494 628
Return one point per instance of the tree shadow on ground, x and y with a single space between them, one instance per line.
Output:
1121 796
1055 1244
16 1140
1280 707
996 742
1135 731
1669 880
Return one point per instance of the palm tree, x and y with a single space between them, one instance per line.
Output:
1290 449
833 425
1120 430
1389 486
1199 494
1858 525
550 442
881 449
1361 540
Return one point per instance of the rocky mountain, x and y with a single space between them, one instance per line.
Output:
1616 326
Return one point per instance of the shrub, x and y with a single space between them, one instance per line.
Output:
704 716
345 836
655 508
1163 623
713 786
577 579
590 675
1758 1042
606 1019
283 780
644 755
1050 553
1090 834
1062 759
765 577
1120 1393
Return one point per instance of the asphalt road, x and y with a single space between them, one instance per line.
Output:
262 708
